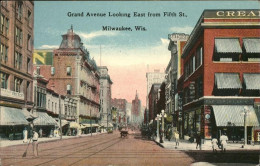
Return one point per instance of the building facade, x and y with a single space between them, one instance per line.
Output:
105 96
153 99
75 75
221 75
136 111
16 57
152 78
173 73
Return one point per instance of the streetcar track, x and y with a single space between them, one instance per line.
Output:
96 152
63 155
74 152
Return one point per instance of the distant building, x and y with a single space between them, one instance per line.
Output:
152 78
153 99
105 96
136 110
121 105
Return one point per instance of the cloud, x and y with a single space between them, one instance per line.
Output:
165 41
185 29
49 47
95 34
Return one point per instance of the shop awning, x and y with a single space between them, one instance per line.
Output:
63 122
74 125
28 115
12 116
226 115
105 124
227 46
252 81
44 120
227 81
252 45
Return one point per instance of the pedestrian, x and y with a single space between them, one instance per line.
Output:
177 138
198 141
214 142
35 143
40 132
223 141
25 135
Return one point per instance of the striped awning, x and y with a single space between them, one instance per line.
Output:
233 114
12 116
44 119
252 81
252 45
227 45
227 81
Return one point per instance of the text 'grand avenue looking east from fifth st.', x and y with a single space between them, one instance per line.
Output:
127 15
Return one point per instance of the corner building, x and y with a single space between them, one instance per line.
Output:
75 75
221 76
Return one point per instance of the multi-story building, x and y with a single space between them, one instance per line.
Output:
221 75
43 56
121 105
152 78
136 110
105 96
153 98
75 75
173 73
16 53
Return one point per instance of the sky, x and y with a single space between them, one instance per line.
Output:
127 54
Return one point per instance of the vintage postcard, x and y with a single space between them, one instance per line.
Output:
132 83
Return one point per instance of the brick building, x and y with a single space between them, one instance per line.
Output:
75 75
121 105
153 99
16 53
221 75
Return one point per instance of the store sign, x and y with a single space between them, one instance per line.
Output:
232 14
178 37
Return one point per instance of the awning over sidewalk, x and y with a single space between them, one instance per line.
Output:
105 125
227 81
232 114
44 120
12 116
251 45
74 125
87 125
252 81
227 45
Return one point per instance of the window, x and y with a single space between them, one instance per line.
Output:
69 89
55 107
66 110
29 16
49 104
4 3
18 60
28 65
29 42
18 36
20 10
17 84
2 24
28 91
6 26
38 71
4 80
52 70
3 53
68 70
251 50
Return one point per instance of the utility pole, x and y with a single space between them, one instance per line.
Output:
90 122
60 117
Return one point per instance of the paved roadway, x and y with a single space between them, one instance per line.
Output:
101 150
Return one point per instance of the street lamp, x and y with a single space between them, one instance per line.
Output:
163 116
245 112
90 123
158 121
107 121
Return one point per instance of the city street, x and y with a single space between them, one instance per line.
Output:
103 149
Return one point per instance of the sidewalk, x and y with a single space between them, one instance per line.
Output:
5 143
187 146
